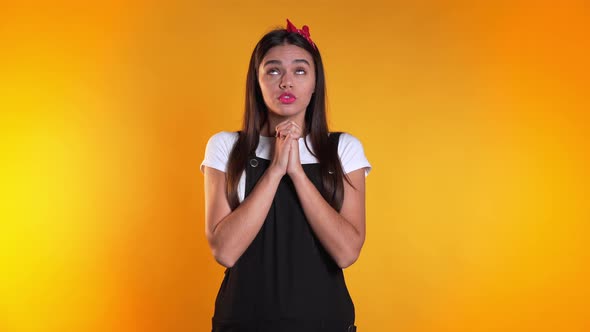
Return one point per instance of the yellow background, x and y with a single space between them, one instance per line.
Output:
473 114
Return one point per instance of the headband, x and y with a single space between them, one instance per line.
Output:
304 31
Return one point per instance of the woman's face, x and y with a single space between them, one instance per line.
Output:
287 79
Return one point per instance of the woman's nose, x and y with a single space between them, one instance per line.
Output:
286 81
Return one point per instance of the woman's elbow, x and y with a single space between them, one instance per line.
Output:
219 247
347 260
223 260
351 254
220 253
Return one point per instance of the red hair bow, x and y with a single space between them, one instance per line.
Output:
304 31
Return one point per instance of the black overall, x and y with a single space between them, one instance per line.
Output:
285 281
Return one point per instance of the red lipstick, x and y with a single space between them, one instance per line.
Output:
287 98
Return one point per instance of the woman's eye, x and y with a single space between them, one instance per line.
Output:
273 72
300 72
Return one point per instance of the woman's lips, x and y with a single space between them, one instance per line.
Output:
287 98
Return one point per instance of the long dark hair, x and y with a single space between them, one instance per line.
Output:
256 115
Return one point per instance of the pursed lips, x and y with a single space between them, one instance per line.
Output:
287 98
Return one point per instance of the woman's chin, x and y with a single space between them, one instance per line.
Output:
286 110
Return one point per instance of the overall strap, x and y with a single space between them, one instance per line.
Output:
334 138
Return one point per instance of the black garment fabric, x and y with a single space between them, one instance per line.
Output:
285 281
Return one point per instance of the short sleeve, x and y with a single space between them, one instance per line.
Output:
352 154
218 149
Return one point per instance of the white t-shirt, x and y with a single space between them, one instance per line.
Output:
219 146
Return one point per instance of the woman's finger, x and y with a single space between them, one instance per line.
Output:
288 128
296 132
293 134
281 125
286 124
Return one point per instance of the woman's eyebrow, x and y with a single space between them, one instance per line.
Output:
270 62
301 61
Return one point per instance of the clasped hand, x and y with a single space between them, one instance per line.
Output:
286 150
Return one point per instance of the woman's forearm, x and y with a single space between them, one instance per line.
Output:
235 232
338 236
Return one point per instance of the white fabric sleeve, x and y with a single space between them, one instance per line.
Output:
352 154
218 149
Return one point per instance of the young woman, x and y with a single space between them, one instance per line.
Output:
285 199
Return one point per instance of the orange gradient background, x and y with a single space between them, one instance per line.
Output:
473 114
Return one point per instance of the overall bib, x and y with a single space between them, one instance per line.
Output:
285 281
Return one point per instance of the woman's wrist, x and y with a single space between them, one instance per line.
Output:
275 173
298 175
